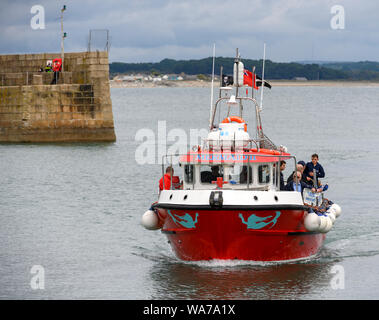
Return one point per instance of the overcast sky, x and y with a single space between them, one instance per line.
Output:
151 30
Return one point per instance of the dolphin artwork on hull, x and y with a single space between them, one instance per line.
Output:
185 221
256 223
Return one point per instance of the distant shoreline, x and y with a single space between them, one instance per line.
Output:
206 84
324 83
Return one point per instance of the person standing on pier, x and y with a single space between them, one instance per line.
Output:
57 68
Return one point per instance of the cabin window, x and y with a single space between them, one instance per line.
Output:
188 173
264 174
238 174
210 173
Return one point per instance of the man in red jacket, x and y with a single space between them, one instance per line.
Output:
165 182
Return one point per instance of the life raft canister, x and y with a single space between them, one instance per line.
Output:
235 119
267 151
57 64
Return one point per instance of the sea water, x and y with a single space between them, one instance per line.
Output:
70 213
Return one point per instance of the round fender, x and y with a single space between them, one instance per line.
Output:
337 209
150 220
312 222
325 225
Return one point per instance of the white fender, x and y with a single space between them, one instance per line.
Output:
326 224
150 220
331 215
312 222
323 223
337 209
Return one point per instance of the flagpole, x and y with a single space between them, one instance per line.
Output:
263 75
253 86
213 75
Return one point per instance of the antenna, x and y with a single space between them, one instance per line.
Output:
253 86
236 62
263 76
213 75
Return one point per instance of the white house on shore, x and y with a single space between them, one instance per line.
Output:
140 77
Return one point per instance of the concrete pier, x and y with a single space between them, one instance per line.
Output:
78 108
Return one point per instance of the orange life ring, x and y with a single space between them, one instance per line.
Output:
235 119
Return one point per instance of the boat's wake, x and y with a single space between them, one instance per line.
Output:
163 255
218 263
363 245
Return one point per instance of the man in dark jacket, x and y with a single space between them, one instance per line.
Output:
209 176
308 171
297 184
299 167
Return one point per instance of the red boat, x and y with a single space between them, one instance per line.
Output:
229 204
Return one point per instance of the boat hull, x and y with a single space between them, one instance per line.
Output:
259 235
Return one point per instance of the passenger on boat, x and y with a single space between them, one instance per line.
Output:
292 186
308 171
243 175
165 181
299 167
282 168
209 176
302 163
176 183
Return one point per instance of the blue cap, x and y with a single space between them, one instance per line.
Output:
301 162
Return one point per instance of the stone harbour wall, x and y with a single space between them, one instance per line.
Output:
77 109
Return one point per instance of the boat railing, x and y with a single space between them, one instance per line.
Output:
263 140
214 109
266 143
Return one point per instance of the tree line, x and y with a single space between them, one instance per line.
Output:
273 70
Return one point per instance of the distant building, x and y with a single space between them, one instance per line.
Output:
131 78
172 77
300 79
191 77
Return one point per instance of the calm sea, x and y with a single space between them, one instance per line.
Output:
73 210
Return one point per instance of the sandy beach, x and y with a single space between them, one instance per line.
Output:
204 84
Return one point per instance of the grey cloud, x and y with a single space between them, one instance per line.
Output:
152 30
